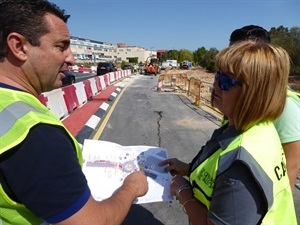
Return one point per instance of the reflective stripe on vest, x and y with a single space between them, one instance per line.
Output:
10 114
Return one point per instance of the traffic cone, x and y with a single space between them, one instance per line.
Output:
160 84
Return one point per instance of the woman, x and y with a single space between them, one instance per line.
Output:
239 176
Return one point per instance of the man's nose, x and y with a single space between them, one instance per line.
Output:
70 60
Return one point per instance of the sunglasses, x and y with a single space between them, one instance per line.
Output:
225 82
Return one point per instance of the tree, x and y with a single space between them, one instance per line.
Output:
281 37
209 59
295 52
290 41
185 54
199 56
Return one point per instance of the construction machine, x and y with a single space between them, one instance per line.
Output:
151 66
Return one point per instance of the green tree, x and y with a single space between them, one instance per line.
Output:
281 37
184 54
295 52
290 41
209 59
172 54
198 56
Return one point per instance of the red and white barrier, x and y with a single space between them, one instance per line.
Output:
94 86
103 83
98 84
54 101
65 100
83 69
111 77
88 89
94 69
160 84
70 97
80 92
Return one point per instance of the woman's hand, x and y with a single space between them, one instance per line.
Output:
176 167
177 183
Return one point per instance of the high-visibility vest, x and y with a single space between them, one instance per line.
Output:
293 94
260 149
19 112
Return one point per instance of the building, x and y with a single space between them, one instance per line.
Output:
160 53
91 51
126 52
86 50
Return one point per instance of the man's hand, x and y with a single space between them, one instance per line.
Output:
137 181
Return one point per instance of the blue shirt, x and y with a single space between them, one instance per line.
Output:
43 173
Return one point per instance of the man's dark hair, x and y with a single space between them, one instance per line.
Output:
250 32
26 17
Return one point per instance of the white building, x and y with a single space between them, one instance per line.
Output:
86 50
126 52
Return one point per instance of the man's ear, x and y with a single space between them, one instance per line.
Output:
17 45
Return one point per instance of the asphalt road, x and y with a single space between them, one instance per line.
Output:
144 116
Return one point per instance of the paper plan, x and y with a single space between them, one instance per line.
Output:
106 165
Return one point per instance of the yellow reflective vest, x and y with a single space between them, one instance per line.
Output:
293 94
260 149
19 112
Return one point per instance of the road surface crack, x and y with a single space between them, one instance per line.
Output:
158 127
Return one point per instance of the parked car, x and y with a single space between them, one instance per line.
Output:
69 78
105 67
185 67
128 67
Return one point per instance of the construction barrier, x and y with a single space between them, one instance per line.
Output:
80 93
103 83
88 89
199 89
160 83
70 97
54 101
94 88
65 100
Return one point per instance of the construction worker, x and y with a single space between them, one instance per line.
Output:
41 178
239 175
287 125
135 68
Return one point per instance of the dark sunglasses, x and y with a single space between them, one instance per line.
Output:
225 82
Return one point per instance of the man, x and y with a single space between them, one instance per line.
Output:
134 68
287 125
40 161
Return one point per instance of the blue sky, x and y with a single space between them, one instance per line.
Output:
174 24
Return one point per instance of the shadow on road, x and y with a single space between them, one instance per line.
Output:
140 216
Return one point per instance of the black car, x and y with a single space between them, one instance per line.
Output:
128 67
105 67
69 78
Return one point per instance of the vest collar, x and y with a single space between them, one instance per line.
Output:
225 135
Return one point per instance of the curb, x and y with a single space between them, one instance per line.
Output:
92 123
95 119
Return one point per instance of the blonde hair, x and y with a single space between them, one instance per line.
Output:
263 70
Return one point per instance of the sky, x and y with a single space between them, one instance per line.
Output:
174 24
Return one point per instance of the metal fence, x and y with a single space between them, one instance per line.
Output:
197 89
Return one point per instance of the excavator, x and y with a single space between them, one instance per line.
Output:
151 66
